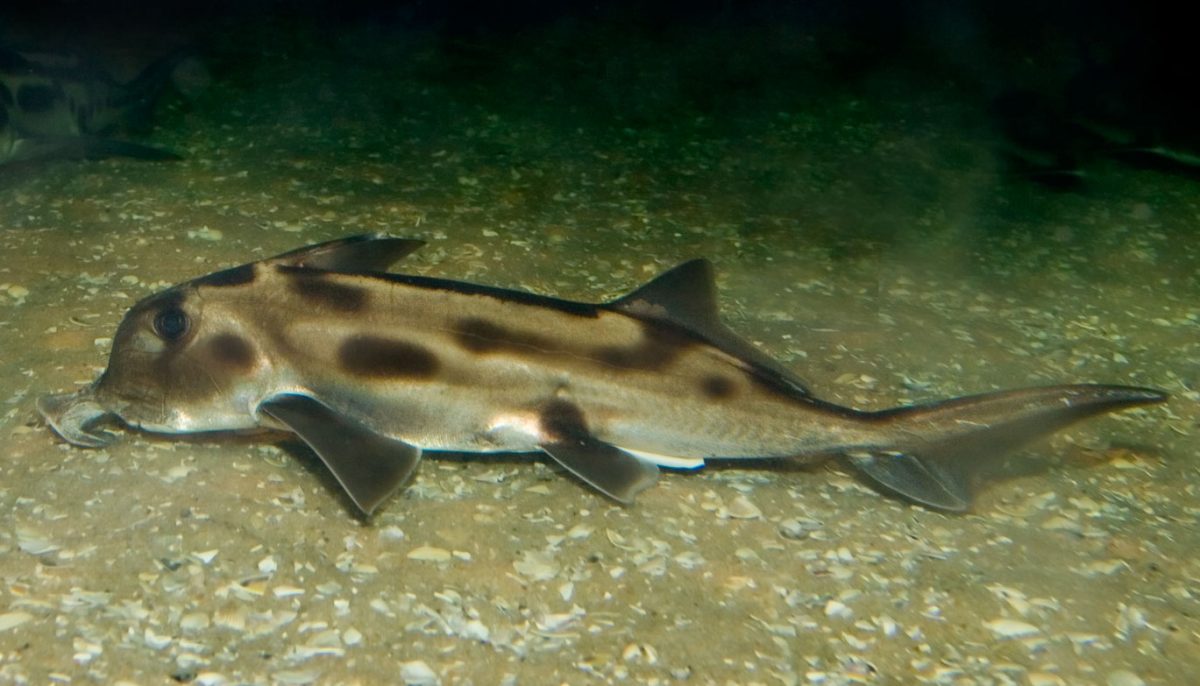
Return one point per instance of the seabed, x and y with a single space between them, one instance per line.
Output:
865 234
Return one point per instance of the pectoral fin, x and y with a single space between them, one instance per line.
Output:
368 465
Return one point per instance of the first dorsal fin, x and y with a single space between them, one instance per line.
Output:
687 296
368 252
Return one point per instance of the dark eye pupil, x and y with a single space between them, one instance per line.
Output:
171 324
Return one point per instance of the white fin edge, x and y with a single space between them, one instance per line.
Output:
668 461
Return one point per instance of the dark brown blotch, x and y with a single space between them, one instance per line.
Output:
232 351
563 421
318 290
238 276
660 345
481 336
717 387
381 358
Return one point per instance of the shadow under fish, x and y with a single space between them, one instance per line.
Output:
371 369
54 108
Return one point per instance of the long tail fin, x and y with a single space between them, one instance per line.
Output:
930 451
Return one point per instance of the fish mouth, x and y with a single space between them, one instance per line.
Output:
77 418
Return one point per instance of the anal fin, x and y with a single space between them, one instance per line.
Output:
921 480
369 466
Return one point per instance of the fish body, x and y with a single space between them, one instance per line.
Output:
56 108
371 368
1113 111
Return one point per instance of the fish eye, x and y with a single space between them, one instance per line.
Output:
171 324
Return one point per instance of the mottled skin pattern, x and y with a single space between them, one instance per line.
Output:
436 367
443 365
49 111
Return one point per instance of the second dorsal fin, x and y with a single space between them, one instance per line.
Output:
686 295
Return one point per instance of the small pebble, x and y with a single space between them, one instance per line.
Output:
742 508
296 677
887 625
798 529
391 533
838 609
417 673
10 620
194 621
1011 628
155 640
206 234
1103 567
1124 677
536 566
1060 523
205 557
475 630
427 553
34 543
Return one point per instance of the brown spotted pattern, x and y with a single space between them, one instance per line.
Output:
318 290
376 357
717 387
563 421
658 348
481 336
232 351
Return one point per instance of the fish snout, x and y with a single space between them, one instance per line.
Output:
76 417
